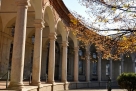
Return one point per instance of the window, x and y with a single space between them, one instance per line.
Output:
80 53
80 67
10 55
94 68
68 67
107 69
94 56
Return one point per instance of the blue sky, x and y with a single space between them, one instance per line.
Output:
75 6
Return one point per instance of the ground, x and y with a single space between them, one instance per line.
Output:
96 90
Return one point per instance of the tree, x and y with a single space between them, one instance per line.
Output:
127 81
121 14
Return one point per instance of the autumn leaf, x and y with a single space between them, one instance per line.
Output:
126 6
114 9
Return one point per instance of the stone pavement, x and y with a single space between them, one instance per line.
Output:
95 90
3 86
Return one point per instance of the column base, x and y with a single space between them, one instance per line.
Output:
88 81
16 86
51 82
65 81
66 84
76 81
35 83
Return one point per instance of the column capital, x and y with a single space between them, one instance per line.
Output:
52 36
65 43
23 3
76 48
39 23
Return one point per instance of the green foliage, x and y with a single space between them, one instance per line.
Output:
127 81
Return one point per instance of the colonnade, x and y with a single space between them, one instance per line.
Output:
17 67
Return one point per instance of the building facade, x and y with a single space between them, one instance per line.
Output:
36 41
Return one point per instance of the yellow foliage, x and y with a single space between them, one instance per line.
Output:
114 9
126 6
74 21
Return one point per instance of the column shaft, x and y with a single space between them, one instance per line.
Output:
99 66
64 62
122 63
87 64
19 45
133 57
36 71
111 69
122 66
76 65
51 65
134 66
88 70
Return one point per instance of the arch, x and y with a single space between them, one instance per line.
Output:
9 24
37 5
61 29
74 39
49 18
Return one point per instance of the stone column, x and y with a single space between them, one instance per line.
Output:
111 69
133 56
19 45
134 65
99 66
64 62
88 66
76 64
51 64
36 71
122 63
133 70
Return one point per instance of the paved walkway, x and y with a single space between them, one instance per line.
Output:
96 90
3 86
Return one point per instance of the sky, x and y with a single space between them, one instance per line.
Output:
75 6
80 9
